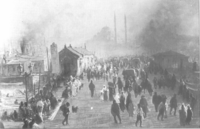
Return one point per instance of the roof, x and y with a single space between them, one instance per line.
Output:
82 51
71 50
16 62
169 53
24 58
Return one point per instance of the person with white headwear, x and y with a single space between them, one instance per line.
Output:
105 93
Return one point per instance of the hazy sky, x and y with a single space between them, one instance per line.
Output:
70 21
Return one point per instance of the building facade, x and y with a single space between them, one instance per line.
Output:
73 61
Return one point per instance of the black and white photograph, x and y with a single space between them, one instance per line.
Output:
99 64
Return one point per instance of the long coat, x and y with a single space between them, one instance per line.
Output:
173 102
91 86
120 84
182 117
189 116
130 109
128 100
122 103
115 109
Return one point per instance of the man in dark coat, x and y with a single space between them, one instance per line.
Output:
122 102
173 104
111 90
115 111
120 84
128 100
189 115
161 111
65 110
144 105
126 85
92 88
65 93
155 101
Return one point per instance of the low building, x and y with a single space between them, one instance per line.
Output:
18 64
73 61
88 57
171 59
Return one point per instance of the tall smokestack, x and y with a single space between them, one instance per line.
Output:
125 28
115 28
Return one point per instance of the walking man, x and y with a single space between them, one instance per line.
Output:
144 105
115 111
173 104
92 88
65 110
140 115
161 111
155 101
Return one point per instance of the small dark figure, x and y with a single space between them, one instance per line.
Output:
139 116
92 88
189 115
74 109
15 115
173 104
128 100
38 119
65 93
161 110
122 102
115 111
144 105
26 124
65 110
120 84
31 123
155 101
182 115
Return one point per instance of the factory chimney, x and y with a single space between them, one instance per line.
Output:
115 29
125 29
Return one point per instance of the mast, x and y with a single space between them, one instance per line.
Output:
115 29
125 29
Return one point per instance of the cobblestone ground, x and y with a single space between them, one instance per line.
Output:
100 115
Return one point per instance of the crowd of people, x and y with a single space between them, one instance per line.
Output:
120 94
36 108
116 90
